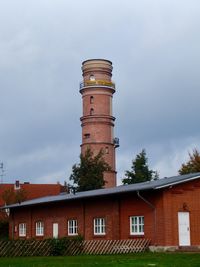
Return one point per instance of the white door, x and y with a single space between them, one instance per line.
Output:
184 228
55 230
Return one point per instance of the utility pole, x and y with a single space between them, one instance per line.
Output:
2 172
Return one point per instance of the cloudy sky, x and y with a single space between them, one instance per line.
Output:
155 49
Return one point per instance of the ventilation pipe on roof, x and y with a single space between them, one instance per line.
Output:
153 207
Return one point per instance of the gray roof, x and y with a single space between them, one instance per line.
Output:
150 185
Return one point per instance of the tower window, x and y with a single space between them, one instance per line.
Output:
91 111
106 150
87 135
92 78
91 99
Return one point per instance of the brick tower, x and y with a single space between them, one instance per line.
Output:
97 121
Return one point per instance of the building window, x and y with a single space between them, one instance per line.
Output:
22 229
137 225
91 99
87 135
91 111
106 150
99 226
39 229
72 227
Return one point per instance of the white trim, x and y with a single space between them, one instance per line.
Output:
55 230
184 228
100 224
22 229
39 228
137 225
178 182
72 228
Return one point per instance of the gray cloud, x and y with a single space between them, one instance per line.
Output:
154 46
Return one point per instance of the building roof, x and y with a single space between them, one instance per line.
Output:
150 185
32 190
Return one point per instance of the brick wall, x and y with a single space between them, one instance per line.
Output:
183 197
160 224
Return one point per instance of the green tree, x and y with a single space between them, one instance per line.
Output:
192 165
88 174
140 171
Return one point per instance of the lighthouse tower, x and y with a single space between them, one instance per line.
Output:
97 122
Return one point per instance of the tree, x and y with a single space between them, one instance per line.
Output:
11 196
140 171
88 174
192 165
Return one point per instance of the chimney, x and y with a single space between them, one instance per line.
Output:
17 185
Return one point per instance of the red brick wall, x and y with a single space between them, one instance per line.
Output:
83 211
97 121
160 226
183 197
132 205
32 190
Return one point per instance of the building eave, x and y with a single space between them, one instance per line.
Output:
119 190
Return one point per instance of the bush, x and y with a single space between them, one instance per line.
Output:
4 229
65 245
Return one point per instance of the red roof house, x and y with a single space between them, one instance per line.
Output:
30 191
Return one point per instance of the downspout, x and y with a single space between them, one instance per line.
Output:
154 208
12 225
31 224
83 214
119 218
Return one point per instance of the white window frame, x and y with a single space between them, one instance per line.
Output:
72 227
99 226
137 225
39 228
22 229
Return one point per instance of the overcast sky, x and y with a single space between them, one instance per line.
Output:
155 49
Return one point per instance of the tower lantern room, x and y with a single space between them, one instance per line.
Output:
97 122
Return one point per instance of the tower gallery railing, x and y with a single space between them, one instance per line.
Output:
97 82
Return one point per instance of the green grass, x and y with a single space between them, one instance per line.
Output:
135 260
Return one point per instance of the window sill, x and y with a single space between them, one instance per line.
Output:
72 234
99 235
136 236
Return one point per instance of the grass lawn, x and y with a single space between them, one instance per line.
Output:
135 260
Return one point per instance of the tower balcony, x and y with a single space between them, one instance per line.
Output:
116 142
90 83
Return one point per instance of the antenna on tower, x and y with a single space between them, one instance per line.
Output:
2 172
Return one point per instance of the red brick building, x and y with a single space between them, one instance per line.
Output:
166 211
30 191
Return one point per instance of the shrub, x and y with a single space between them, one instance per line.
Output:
65 245
4 229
